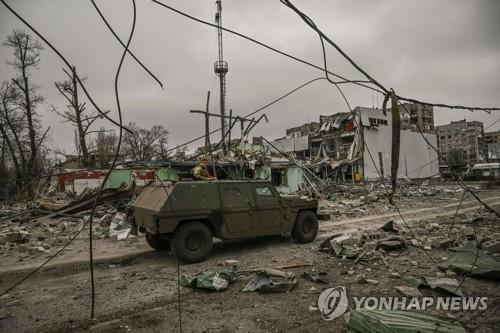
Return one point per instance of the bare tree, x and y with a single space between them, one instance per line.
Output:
144 144
104 146
26 52
11 127
76 114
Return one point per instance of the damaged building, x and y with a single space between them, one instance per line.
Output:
336 149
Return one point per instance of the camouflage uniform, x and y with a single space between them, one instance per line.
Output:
201 173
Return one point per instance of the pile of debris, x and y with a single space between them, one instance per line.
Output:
35 228
337 200
376 243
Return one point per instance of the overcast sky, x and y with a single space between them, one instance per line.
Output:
436 51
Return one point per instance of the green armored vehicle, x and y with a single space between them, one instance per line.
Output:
186 215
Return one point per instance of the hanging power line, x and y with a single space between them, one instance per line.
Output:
366 84
124 46
103 114
89 221
253 112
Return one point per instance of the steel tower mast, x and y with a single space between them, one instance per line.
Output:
221 68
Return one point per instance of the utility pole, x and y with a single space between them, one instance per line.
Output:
208 152
244 131
221 68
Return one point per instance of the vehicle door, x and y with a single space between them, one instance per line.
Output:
269 210
237 210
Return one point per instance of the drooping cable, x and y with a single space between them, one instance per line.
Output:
362 83
357 82
115 158
251 113
53 48
124 46
88 221
359 128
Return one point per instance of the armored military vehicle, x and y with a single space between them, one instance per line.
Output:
185 216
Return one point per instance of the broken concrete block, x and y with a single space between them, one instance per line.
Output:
440 242
368 236
469 233
420 231
433 226
408 291
341 238
391 245
492 246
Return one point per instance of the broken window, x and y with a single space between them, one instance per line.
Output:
377 121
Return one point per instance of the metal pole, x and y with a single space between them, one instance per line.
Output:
230 122
207 124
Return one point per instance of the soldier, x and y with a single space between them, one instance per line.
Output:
200 172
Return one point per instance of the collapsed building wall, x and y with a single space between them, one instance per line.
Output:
416 158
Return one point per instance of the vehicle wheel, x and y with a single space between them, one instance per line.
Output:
192 242
156 242
305 228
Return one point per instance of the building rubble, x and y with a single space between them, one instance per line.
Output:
45 225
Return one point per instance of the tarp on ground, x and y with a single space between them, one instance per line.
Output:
464 261
210 280
399 321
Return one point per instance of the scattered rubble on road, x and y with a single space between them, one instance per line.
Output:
389 256
36 228
271 280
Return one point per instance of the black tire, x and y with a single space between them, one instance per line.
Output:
305 228
192 242
157 243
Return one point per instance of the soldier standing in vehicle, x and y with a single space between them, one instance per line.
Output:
200 172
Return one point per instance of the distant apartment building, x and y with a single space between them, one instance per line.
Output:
492 146
464 139
415 116
302 130
422 115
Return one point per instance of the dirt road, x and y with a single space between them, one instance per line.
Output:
137 290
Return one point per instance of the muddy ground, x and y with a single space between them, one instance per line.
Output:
137 290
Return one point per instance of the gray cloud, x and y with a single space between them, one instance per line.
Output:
438 51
